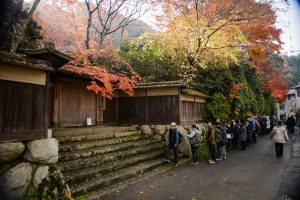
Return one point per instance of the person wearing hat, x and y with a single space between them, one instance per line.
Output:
173 143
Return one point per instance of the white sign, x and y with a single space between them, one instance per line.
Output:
49 133
89 121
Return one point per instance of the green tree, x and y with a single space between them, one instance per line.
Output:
150 58
218 108
12 12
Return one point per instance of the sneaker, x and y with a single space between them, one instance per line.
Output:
165 160
212 162
175 164
192 163
218 159
168 161
196 163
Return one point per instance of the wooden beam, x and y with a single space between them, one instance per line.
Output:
23 136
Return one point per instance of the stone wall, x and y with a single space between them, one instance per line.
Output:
157 132
24 165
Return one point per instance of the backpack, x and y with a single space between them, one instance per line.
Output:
218 135
224 139
196 139
180 138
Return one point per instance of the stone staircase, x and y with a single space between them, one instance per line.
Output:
95 161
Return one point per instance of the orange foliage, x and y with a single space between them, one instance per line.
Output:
235 90
104 80
272 81
64 23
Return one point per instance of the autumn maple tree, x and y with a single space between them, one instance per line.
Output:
200 31
85 29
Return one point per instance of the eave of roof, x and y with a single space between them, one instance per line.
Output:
195 93
163 84
24 61
56 57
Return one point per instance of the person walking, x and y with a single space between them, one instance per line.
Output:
195 139
235 133
268 124
173 143
211 140
280 136
165 139
263 124
288 124
243 135
223 142
293 124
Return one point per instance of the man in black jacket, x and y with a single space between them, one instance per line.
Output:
173 142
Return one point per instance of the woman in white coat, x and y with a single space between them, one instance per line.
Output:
280 136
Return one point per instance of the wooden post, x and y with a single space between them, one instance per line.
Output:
46 103
146 106
57 105
179 112
193 110
97 109
117 98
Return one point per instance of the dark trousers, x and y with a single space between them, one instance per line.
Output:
254 140
264 130
292 129
212 149
195 153
279 149
166 152
235 143
175 150
243 143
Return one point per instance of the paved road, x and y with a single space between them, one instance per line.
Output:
254 174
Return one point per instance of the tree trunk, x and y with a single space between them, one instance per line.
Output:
87 41
22 27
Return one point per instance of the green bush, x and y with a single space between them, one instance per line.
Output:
204 152
218 108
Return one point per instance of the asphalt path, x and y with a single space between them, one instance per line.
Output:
254 174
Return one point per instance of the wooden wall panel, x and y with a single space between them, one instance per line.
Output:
163 109
22 110
77 104
191 111
110 114
132 110
149 110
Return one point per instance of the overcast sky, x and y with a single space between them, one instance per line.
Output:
289 22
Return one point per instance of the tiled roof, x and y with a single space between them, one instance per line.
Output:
24 61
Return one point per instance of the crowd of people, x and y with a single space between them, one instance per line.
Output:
238 134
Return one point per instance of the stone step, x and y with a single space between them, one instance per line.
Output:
92 161
123 184
117 176
74 146
105 149
98 136
71 132
87 173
